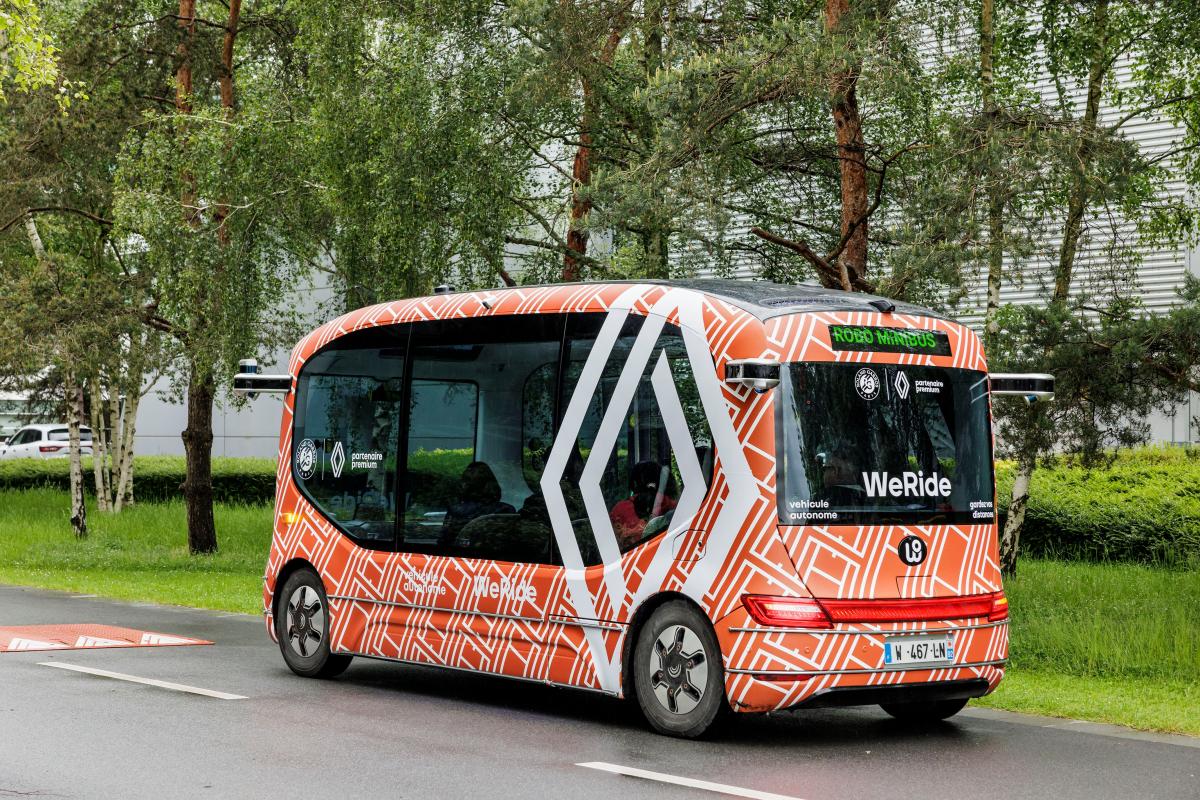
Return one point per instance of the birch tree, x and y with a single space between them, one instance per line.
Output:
212 187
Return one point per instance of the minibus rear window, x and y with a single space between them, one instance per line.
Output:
864 443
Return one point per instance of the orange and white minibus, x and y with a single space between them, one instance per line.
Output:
708 495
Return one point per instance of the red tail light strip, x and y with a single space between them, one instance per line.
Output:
815 613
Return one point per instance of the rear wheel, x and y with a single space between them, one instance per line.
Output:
929 711
677 672
302 627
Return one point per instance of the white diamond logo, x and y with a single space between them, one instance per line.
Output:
902 385
337 459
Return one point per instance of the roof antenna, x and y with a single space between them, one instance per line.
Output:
883 304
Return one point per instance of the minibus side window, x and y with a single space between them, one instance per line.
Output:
641 482
482 392
346 434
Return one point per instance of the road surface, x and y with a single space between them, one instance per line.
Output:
392 731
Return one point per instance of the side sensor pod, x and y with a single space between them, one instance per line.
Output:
758 374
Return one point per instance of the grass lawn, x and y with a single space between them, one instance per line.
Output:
1113 643
139 554
1147 704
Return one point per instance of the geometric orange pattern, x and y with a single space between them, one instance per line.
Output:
27 638
573 629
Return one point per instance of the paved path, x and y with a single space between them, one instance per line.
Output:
391 731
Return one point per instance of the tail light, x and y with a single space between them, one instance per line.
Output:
786 612
808 612
999 608
49 448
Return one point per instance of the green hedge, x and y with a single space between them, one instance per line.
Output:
235 480
1144 506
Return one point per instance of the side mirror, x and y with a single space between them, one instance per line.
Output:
1033 387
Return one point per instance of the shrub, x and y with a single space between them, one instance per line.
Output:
1144 506
155 478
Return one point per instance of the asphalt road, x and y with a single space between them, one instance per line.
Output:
386 730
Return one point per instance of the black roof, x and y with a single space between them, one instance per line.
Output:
766 299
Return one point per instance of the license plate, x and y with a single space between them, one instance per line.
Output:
902 650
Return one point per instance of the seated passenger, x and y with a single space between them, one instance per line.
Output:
534 506
478 495
629 517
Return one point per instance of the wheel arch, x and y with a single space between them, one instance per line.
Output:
285 572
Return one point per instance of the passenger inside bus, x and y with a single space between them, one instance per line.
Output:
651 497
478 496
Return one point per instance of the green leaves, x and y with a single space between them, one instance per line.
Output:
409 155
28 59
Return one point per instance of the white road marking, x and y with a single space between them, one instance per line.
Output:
691 783
83 596
120 676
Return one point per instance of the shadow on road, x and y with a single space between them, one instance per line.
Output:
862 727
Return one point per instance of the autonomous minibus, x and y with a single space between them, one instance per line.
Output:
706 495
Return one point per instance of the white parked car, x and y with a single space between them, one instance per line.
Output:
44 441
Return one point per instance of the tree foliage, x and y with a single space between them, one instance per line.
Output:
216 155
27 53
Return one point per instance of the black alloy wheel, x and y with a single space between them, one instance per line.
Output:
302 627
677 672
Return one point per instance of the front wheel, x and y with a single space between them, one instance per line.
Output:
302 627
929 711
677 672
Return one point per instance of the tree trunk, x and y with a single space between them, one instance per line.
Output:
1078 201
75 413
1077 204
183 101
995 198
183 53
655 254
197 445
581 177
581 170
99 446
1010 538
112 443
225 81
35 239
226 75
852 164
123 496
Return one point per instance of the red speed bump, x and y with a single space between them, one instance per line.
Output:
27 638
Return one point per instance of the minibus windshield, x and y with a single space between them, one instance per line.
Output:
873 443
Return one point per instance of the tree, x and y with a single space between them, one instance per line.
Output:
78 302
414 178
210 186
1084 44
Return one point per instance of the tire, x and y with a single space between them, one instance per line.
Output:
929 711
302 627
677 672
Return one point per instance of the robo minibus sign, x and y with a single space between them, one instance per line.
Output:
889 340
